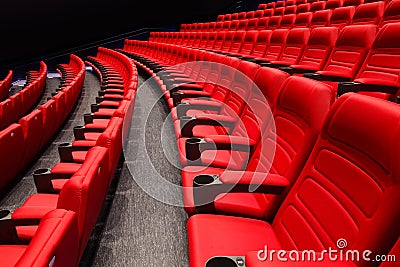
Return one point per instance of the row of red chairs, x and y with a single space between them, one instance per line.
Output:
21 142
370 13
316 54
78 185
16 106
290 185
293 9
5 85
279 4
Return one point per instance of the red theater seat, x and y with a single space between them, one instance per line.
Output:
303 8
297 124
12 145
349 184
321 18
55 243
316 52
351 48
234 92
392 13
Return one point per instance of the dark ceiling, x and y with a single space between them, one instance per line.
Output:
33 30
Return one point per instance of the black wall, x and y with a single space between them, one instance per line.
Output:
34 30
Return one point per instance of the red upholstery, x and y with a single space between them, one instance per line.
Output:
290 10
332 4
279 11
261 44
392 13
252 119
49 120
83 193
55 242
303 19
234 91
370 13
351 48
348 189
297 124
352 2
276 44
316 6
381 65
287 21
12 145
321 18
302 8
294 46
32 126
342 16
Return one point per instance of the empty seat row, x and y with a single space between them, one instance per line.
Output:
21 142
370 13
78 185
302 180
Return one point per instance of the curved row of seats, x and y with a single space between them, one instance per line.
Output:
293 184
371 13
278 4
77 186
21 142
316 54
5 85
16 106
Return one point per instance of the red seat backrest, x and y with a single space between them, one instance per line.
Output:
351 48
294 46
370 13
32 127
349 188
276 44
303 8
319 47
85 191
392 13
11 151
342 16
321 18
382 64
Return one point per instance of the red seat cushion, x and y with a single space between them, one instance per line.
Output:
11 254
227 235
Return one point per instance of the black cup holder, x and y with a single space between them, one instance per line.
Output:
226 262
4 214
204 179
64 145
41 172
194 140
